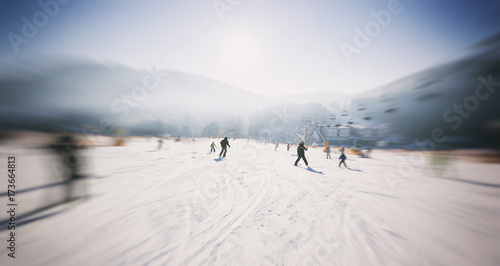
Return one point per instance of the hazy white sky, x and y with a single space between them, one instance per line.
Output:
261 46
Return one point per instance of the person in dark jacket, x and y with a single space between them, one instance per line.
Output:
224 144
301 153
160 144
343 158
71 161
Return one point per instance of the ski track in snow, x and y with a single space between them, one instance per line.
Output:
179 206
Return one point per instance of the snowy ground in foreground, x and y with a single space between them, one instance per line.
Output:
180 206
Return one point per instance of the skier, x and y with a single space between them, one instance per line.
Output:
328 153
301 153
68 150
276 146
224 144
212 147
288 147
342 150
343 158
160 143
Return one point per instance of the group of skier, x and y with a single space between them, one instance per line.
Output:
224 144
301 155
300 151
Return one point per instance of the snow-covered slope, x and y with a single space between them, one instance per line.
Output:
182 206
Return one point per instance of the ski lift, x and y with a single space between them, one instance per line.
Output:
333 117
344 113
337 124
350 122
368 117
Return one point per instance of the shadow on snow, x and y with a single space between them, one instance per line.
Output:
314 171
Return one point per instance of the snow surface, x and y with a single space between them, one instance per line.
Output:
182 206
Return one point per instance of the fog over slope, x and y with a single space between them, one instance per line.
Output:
457 97
48 91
